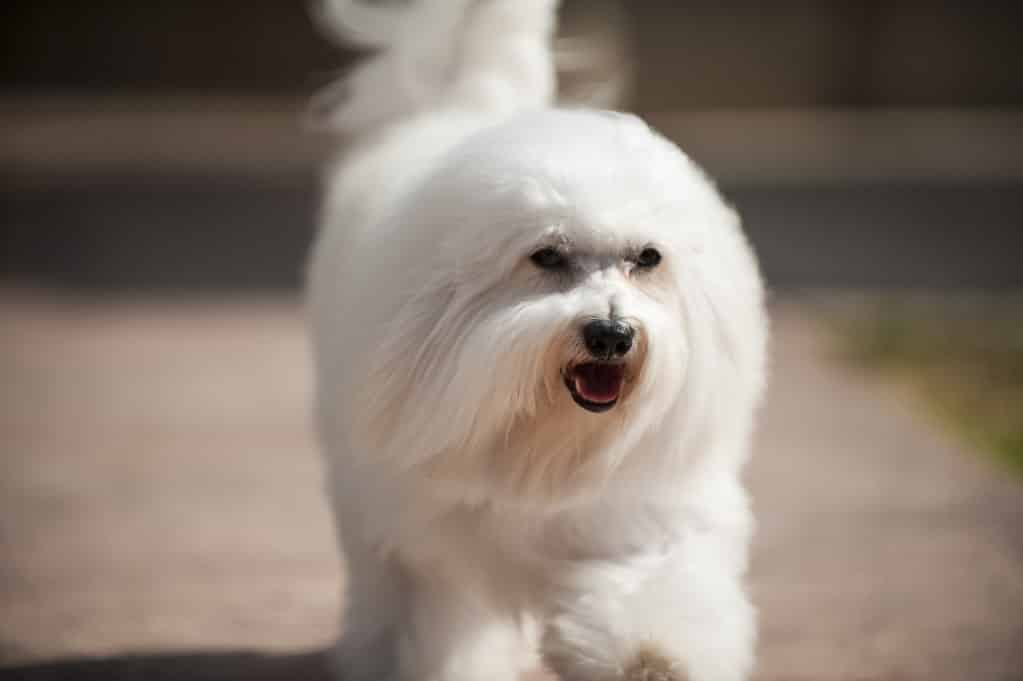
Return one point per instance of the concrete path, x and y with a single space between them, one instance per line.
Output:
885 550
160 505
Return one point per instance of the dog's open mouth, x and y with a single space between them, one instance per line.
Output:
595 386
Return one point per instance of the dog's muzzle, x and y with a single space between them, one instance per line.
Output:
597 385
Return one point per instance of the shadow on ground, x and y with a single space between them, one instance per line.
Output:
186 666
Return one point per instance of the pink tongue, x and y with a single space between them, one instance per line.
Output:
599 382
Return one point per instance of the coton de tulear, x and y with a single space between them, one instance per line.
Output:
539 338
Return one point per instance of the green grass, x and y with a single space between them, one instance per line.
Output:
964 358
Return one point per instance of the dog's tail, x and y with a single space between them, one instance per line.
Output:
488 55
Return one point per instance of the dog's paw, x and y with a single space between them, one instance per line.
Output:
650 665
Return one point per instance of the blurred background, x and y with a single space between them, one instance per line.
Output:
159 489
142 144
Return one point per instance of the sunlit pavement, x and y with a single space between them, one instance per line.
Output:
160 496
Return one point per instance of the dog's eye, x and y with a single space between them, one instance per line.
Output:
648 258
548 259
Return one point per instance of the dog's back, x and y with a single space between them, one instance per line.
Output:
443 70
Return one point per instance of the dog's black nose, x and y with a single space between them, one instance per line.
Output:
608 338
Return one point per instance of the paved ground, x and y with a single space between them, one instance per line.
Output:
160 506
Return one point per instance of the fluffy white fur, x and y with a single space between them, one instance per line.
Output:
487 520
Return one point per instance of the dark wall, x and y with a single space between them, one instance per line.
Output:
875 53
199 233
227 46
725 53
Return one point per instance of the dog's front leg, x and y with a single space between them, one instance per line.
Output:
456 631
685 618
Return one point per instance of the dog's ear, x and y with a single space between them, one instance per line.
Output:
393 403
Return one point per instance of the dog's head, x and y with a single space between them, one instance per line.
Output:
572 291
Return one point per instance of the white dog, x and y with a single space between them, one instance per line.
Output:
539 338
